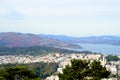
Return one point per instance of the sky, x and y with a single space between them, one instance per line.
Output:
61 17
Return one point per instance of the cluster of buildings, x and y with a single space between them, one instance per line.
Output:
62 60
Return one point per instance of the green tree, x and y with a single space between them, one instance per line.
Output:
18 73
112 58
41 69
97 71
84 70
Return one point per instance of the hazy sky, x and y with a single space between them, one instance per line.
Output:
69 17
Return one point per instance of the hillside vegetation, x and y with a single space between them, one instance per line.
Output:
34 50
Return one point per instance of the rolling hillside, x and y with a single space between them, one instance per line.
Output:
11 39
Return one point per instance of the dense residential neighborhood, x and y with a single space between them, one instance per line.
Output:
63 60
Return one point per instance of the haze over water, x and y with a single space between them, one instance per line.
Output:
101 48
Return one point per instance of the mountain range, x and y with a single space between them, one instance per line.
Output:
112 40
15 39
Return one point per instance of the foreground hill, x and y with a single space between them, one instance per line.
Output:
11 39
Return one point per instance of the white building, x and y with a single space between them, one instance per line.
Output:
52 78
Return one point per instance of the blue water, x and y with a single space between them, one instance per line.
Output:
101 48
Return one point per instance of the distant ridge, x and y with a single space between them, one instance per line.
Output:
14 39
112 40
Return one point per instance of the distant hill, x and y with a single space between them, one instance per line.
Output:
12 39
64 38
113 40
